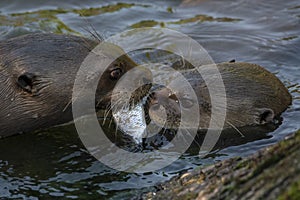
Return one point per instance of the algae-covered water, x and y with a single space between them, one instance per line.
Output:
54 164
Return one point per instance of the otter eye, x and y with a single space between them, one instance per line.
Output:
173 96
116 73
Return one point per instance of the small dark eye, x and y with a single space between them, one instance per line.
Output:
116 73
173 96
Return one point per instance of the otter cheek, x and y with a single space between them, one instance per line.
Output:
105 85
158 114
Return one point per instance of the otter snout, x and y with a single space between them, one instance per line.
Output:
163 108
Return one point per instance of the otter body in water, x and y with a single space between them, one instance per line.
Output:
254 97
37 74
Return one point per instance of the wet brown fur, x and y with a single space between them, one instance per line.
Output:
254 97
37 73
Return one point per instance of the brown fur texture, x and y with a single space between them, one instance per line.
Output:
37 74
254 97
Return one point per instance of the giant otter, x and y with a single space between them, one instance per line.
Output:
37 73
254 97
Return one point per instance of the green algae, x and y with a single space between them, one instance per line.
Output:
266 164
241 164
289 38
196 19
292 193
82 12
105 9
42 13
87 12
204 18
170 10
45 20
295 7
147 23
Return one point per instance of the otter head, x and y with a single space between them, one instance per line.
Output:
164 108
37 78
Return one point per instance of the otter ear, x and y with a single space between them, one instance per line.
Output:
25 81
266 115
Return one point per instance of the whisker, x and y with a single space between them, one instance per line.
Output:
68 104
235 128
94 33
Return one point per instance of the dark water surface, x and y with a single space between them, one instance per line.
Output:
55 164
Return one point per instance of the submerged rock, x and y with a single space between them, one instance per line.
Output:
271 173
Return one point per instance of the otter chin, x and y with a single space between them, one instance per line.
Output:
37 74
254 97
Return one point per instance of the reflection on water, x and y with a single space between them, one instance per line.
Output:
54 163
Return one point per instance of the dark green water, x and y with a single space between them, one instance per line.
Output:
55 165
